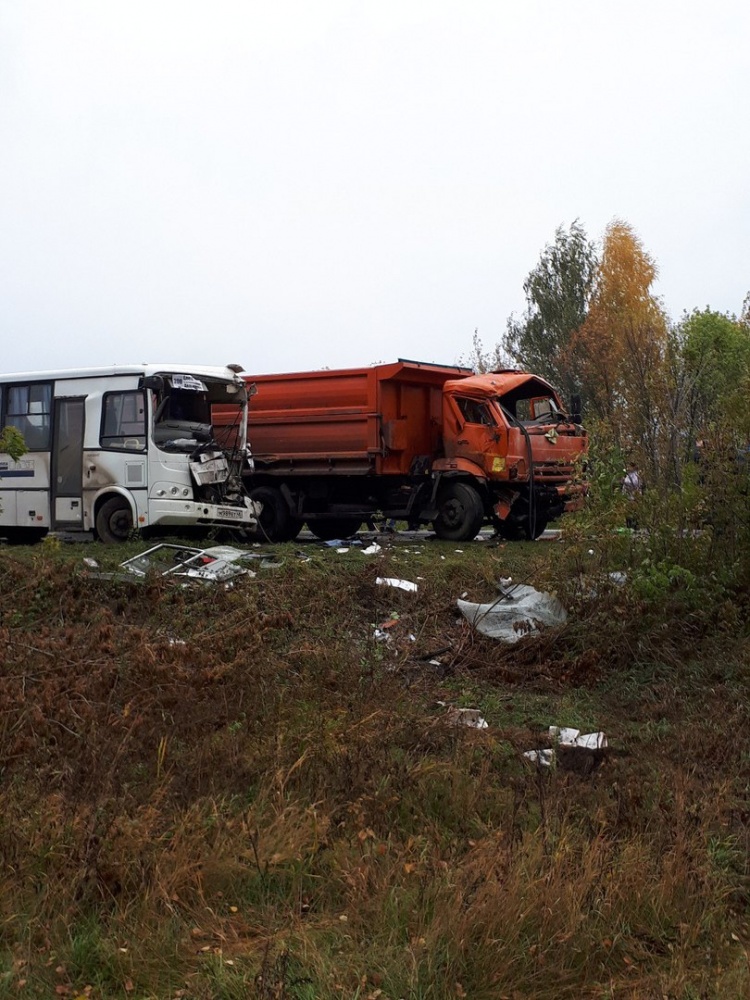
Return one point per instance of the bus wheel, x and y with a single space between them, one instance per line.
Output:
328 528
114 521
461 513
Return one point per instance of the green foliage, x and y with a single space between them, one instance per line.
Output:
716 357
557 296
12 443
654 581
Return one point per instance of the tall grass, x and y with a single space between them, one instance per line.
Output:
277 806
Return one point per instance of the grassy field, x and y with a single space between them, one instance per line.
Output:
212 792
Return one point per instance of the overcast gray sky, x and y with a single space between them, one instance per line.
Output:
319 183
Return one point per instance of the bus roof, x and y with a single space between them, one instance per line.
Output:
229 374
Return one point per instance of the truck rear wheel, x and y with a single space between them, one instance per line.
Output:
275 522
328 528
461 512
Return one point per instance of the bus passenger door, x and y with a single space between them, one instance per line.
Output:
67 463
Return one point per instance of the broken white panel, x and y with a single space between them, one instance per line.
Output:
522 606
391 581
564 734
568 737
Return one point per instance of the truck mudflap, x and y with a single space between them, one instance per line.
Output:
504 500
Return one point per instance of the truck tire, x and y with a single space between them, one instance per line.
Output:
520 531
114 521
328 528
461 512
275 523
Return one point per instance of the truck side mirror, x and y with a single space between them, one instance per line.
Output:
575 408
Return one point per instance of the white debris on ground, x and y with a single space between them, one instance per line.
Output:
471 717
518 611
571 748
391 581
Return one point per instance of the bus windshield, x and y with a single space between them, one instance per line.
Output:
182 410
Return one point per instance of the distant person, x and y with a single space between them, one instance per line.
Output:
632 487
632 484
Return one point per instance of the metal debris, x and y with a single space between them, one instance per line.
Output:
216 564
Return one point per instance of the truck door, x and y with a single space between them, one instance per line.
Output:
67 463
471 432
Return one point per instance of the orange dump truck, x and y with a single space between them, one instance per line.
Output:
423 443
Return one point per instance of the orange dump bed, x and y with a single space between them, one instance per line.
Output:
355 420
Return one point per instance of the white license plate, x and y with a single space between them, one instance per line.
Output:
230 512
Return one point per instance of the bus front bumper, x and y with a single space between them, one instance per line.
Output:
186 512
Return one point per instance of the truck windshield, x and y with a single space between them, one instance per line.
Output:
532 409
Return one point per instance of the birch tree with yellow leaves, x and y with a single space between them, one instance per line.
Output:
621 352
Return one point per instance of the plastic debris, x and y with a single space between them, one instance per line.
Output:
471 717
571 750
391 581
565 736
518 611
543 758
550 535
92 563
372 550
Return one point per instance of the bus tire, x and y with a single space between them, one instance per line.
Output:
461 512
114 521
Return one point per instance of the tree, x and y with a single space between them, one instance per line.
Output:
715 351
557 293
12 443
620 351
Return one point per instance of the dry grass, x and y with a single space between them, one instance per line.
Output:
274 805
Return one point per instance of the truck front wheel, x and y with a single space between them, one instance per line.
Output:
328 528
461 513
275 522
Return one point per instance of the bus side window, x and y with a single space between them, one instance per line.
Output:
28 408
124 421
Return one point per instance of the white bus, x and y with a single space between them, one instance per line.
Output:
131 447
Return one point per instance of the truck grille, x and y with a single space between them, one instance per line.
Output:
553 472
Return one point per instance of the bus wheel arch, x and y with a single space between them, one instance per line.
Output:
114 518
